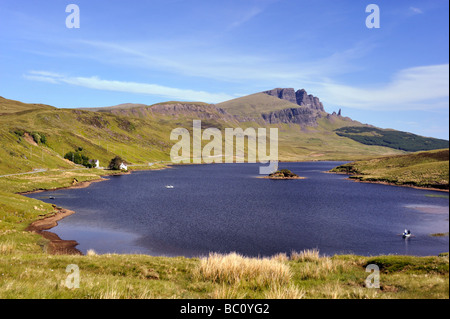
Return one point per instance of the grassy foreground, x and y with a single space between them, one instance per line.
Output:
304 275
428 169
27 271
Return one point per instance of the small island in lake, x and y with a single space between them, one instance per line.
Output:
284 174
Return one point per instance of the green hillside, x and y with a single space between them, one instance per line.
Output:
421 169
141 134
255 104
100 136
390 138
10 106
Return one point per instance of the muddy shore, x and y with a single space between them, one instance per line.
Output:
56 245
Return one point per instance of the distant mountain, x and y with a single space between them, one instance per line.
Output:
140 133
175 110
282 105
123 106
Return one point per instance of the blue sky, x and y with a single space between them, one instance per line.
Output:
140 51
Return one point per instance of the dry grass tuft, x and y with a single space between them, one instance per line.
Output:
228 292
288 292
281 257
7 247
234 269
306 255
91 252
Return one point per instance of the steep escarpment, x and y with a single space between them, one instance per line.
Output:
174 110
306 115
301 115
300 97
287 94
308 100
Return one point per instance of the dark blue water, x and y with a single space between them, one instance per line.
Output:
224 208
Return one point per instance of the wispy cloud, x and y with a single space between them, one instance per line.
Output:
97 83
224 64
418 88
247 16
415 10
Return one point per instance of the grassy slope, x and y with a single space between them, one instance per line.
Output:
36 275
421 169
305 144
394 139
11 106
255 104
101 135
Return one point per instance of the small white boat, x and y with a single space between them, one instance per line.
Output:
406 233
169 186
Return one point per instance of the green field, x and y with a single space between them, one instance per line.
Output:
422 169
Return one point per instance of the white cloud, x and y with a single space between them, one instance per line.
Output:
97 83
418 88
39 78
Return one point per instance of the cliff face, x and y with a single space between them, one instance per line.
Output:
302 116
306 115
201 111
301 97
308 100
284 94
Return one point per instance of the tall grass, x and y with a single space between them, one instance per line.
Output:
306 255
285 292
234 269
312 266
7 247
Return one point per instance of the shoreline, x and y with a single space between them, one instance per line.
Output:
281 178
56 245
355 179
400 185
84 184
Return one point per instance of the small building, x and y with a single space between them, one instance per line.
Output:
95 163
123 166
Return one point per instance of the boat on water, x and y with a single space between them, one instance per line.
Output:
406 233
169 186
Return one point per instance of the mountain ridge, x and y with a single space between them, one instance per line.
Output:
140 133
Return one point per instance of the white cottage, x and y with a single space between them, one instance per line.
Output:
95 163
123 166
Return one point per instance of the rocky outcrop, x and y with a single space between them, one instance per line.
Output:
303 116
201 111
308 100
301 97
284 94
